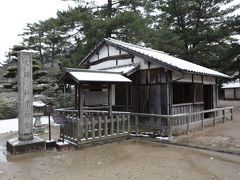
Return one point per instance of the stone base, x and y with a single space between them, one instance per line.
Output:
16 146
50 144
63 146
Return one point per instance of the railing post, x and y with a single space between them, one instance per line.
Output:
223 116
202 125
93 127
214 118
86 127
123 123
128 123
99 126
188 125
169 120
117 119
105 126
136 125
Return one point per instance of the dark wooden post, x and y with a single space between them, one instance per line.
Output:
231 111
127 109
80 111
110 106
223 116
76 95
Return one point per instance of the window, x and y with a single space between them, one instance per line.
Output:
182 93
187 93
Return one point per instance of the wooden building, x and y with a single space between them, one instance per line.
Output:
125 81
161 84
231 90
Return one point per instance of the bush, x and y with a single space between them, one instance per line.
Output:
8 105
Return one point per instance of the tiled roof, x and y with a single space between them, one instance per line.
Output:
165 59
232 84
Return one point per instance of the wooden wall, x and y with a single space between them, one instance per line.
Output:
151 91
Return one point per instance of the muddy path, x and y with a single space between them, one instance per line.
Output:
127 159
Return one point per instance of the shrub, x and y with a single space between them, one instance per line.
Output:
8 105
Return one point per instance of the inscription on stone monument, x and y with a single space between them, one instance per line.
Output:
25 108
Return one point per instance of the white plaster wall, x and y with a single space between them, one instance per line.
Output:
144 64
124 61
103 52
103 65
177 75
208 80
229 93
113 51
237 93
93 58
197 78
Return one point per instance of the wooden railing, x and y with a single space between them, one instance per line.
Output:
99 125
182 121
95 126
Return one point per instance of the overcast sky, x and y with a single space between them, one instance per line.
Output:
14 14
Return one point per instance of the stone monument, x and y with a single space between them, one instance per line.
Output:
25 142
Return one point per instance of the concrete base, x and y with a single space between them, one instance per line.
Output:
16 146
50 144
63 146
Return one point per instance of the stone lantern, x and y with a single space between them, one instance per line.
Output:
38 111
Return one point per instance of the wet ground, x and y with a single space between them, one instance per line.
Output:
224 137
131 159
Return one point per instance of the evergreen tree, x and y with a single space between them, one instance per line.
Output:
200 24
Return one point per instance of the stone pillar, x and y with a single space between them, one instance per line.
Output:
25 142
25 108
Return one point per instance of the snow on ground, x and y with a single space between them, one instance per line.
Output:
11 125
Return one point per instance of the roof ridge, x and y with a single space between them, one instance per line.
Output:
138 46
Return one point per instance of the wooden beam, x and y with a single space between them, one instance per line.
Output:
127 97
109 58
80 111
110 106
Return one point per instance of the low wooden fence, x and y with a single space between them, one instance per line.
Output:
95 126
100 126
183 123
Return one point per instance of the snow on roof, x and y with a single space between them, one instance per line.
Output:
98 76
232 84
123 69
167 59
